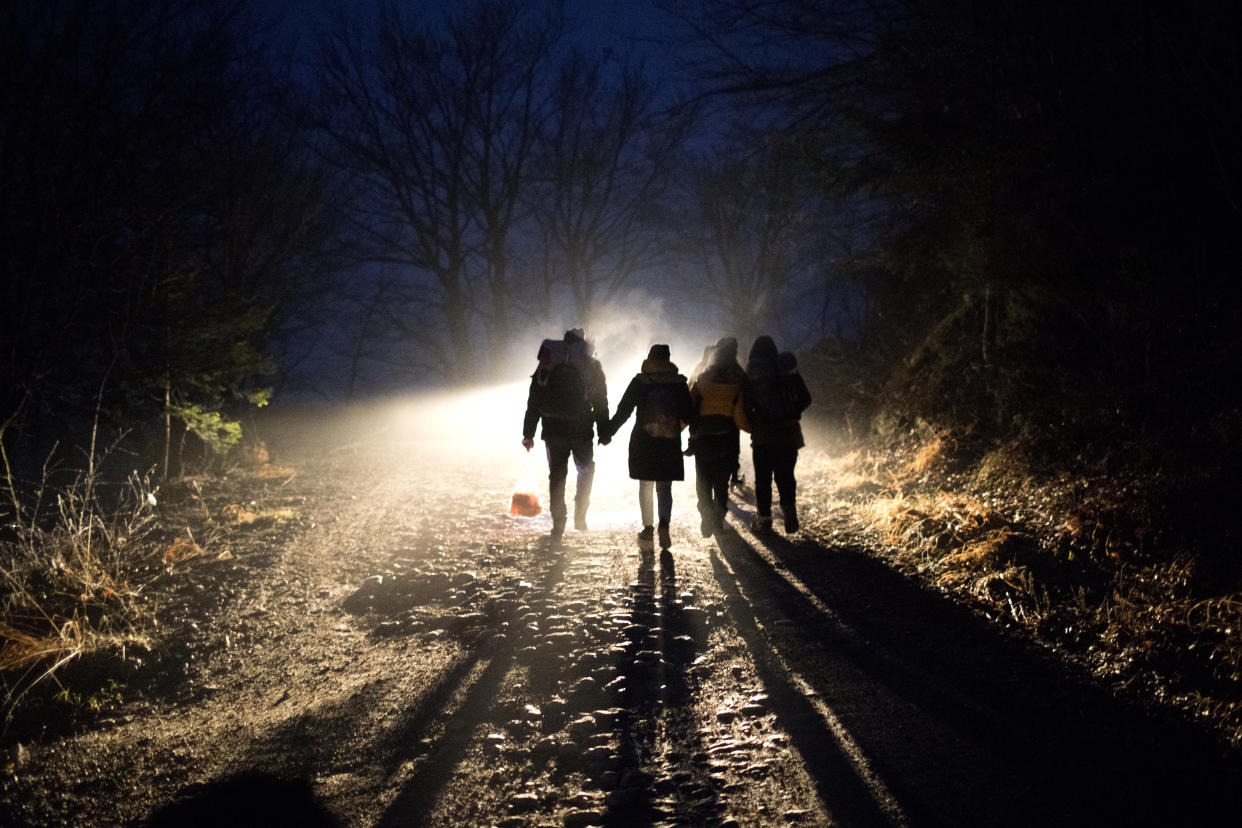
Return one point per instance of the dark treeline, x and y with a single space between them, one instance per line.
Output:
162 219
1053 219
1014 218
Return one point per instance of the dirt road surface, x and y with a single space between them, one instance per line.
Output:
403 652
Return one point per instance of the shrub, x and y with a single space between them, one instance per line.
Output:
73 563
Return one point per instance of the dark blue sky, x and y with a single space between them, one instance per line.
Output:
600 23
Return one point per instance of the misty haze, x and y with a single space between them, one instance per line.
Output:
706 413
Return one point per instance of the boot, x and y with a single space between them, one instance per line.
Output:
646 538
761 525
665 540
790 511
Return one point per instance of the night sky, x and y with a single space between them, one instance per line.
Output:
594 23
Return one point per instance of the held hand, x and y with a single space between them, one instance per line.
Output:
528 443
605 439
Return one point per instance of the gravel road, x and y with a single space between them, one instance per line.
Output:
403 652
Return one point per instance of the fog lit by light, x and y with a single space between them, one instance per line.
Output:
484 427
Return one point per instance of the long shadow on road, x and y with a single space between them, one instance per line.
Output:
445 717
417 798
839 777
657 708
907 708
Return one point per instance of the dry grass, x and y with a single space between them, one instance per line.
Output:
72 583
245 515
19 649
1070 563
182 549
268 471
929 454
76 574
73 574
73 567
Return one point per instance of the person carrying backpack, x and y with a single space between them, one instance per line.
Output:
662 399
778 397
721 395
569 394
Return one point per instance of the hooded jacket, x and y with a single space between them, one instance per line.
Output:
776 386
721 393
661 398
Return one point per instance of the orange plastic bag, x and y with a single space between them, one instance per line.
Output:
525 501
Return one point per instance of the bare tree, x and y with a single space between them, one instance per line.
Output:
509 63
436 125
605 159
396 127
751 232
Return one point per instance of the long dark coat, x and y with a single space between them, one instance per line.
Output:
662 400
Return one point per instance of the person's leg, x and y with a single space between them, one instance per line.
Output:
718 466
645 490
703 470
763 480
558 469
720 490
783 470
584 463
763 489
735 470
664 507
664 500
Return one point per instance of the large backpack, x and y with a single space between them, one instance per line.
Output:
559 388
658 412
780 396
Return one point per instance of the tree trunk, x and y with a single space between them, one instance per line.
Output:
167 426
986 350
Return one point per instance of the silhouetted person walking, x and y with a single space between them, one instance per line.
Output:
721 395
662 399
778 398
569 393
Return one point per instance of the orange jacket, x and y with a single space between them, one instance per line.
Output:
720 398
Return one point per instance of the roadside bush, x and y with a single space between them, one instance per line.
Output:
73 562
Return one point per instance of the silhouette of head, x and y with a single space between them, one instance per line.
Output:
726 350
764 348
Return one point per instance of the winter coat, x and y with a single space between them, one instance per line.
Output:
662 400
721 396
776 386
594 412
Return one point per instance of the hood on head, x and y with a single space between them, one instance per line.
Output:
764 348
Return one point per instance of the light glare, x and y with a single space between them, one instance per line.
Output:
484 425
